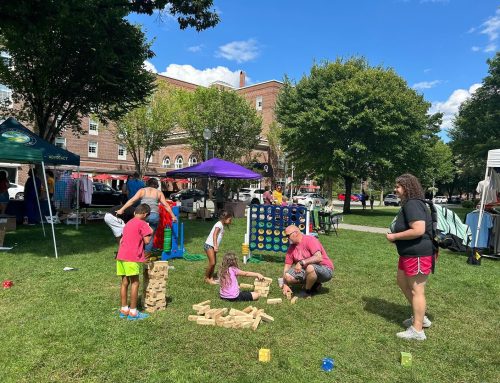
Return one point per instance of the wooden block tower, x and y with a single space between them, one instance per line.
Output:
263 286
155 286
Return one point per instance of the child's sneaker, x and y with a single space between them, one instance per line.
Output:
124 313
138 316
425 324
411 333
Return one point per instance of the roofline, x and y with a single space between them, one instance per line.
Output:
260 83
245 87
176 79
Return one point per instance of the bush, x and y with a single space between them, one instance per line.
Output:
469 204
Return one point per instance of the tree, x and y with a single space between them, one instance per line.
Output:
351 120
145 130
477 126
440 166
234 124
72 58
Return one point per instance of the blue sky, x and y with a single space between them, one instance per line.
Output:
439 47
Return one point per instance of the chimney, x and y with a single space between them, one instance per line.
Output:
242 79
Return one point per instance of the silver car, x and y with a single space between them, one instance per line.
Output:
392 200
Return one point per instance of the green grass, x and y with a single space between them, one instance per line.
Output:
383 216
63 327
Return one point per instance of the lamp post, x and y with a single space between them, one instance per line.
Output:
207 135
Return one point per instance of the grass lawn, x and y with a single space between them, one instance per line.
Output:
383 216
63 326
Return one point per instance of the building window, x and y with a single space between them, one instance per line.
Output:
60 142
166 162
5 95
192 161
122 152
93 127
258 103
179 162
92 149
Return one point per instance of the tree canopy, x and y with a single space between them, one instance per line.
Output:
355 121
145 130
234 124
72 58
477 126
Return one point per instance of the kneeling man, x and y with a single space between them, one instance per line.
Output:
306 262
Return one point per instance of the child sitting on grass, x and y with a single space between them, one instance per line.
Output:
136 234
229 288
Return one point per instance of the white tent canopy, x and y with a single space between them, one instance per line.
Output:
491 183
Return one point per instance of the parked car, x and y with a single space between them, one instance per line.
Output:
16 191
455 199
195 194
392 200
440 199
311 199
341 197
103 194
250 195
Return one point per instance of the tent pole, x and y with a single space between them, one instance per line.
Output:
50 208
481 206
37 198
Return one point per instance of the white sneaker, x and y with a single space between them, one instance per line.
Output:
411 333
425 324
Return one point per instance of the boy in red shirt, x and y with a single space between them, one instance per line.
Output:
136 234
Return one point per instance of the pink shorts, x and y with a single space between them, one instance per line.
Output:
415 265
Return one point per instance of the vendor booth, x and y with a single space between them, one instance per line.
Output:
19 144
485 222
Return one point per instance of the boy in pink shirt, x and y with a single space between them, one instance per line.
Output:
306 262
129 259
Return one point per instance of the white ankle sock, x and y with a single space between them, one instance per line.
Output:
133 311
124 308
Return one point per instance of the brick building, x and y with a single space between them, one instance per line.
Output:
100 153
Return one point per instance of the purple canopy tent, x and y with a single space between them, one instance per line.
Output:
215 168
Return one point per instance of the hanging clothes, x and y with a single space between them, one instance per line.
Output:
495 235
472 220
490 195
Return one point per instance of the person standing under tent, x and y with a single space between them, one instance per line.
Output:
32 189
134 185
220 197
4 192
411 232
151 196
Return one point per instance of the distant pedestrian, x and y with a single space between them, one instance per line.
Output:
363 199
372 200
267 196
134 185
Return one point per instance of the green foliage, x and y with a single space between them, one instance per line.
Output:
440 167
477 126
355 121
234 124
72 58
145 130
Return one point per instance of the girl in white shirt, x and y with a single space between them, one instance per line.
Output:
213 242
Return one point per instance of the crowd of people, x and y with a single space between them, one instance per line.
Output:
307 264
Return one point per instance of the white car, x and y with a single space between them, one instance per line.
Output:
440 199
16 191
392 200
310 199
251 195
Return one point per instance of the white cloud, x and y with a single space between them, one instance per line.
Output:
203 77
490 48
427 70
426 84
239 51
491 27
475 49
150 67
450 107
195 48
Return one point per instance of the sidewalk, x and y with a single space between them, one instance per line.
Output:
369 229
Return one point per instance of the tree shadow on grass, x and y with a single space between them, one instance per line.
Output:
393 312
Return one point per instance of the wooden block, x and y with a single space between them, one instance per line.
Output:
228 324
266 318
239 319
236 325
261 283
254 312
210 313
205 321
255 323
269 280
217 313
246 286
234 312
248 309
274 301
204 303
294 300
288 295
246 324
204 309
193 318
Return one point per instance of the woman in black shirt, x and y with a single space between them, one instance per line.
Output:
411 232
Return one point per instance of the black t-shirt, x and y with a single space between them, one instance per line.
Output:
414 210
127 215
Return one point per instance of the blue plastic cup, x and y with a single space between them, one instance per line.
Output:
328 364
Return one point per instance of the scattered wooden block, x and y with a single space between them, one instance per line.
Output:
246 324
204 303
248 309
203 310
256 322
294 300
266 318
234 312
193 318
274 301
289 295
268 280
205 321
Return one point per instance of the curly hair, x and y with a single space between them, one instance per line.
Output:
411 186
228 261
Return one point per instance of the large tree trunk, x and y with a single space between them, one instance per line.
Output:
348 189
